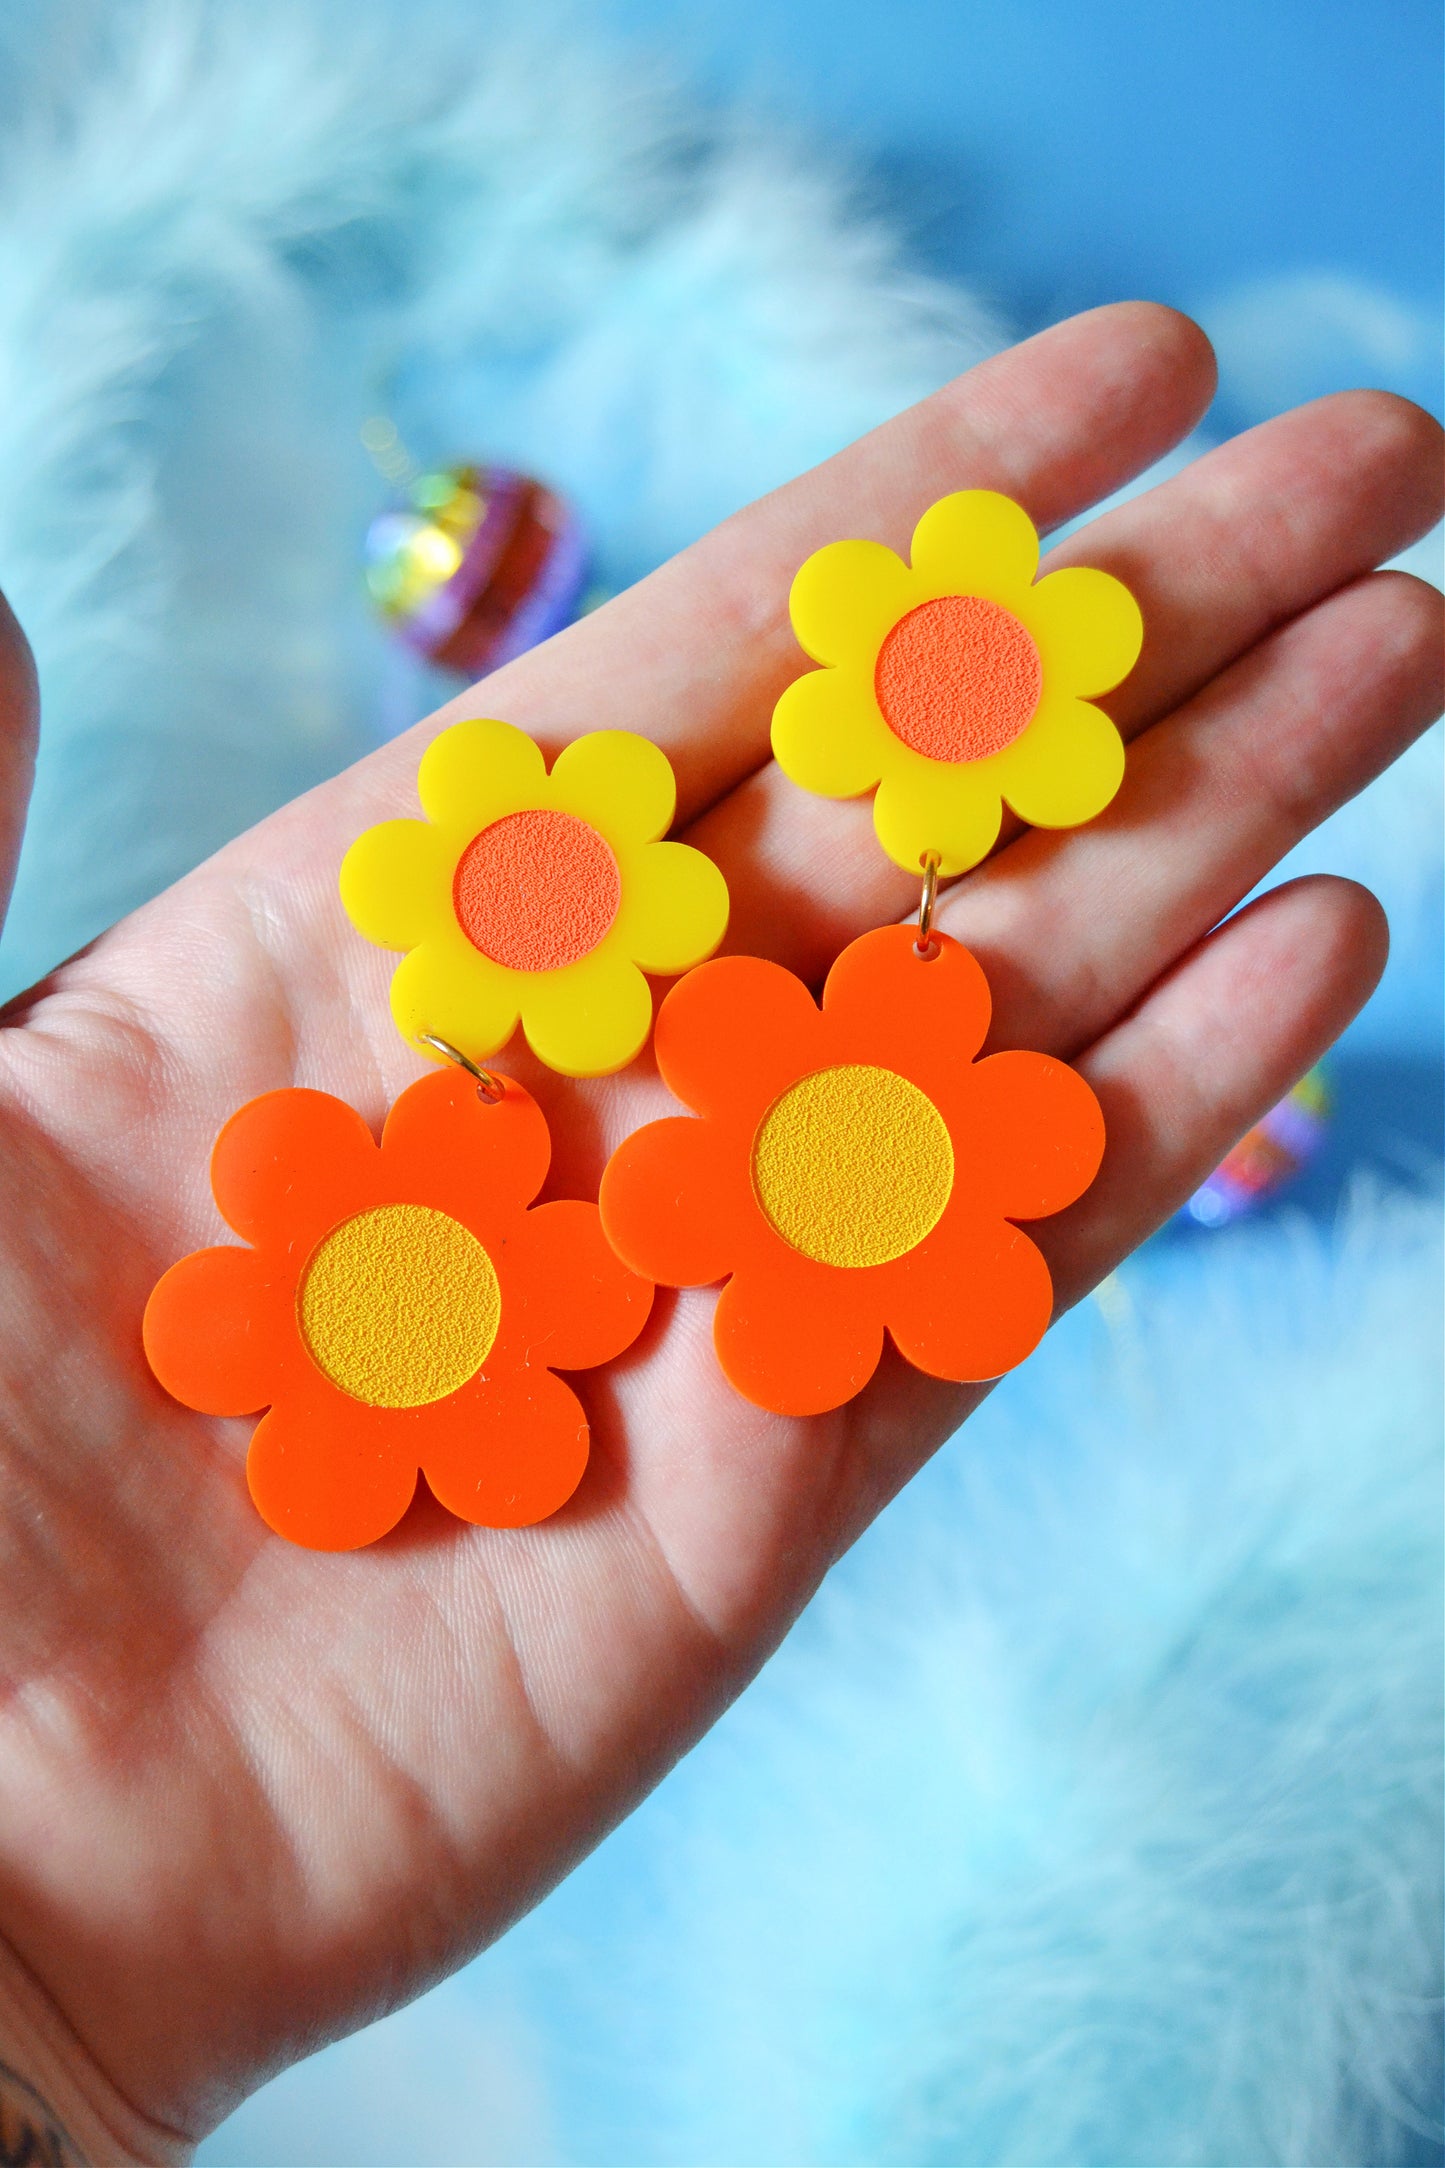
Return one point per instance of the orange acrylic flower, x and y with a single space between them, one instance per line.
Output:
399 1308
855 1168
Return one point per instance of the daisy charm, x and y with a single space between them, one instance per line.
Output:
399 1307
852 1170
535 897
957 683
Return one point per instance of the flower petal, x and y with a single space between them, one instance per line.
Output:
568 1300
845 597
927 805
795 1337
507 1452
621 783
674 907
447 987
216 1330
1087 627
972 1304
288 1165
483 1162
677 1209
828 735
477 771
326 1472
932 1012
733 1032
1065 768
396 882
1037 1132
976 542
590 1018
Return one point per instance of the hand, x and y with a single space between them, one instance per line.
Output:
252 1795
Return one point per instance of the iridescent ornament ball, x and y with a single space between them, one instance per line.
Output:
475 565
1267 1158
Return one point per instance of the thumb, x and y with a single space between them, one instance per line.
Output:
19 724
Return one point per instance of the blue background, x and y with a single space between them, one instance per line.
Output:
1274 167
1059 153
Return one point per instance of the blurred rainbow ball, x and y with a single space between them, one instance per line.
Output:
476 564
1267 1158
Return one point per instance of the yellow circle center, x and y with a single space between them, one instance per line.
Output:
399 1306
853 1165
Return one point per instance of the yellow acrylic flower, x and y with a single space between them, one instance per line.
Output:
956 682
535 896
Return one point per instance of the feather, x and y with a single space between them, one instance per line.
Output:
1090 1816
232 234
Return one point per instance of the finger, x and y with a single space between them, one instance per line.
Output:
1238 543
19 718
1206 1055
1215 1046
1258 530
696 654
1072 928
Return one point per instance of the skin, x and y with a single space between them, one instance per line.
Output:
251 1796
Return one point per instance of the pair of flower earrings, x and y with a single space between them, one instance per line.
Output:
847 1169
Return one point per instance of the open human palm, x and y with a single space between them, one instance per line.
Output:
252 1795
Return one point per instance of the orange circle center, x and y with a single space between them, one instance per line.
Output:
536 890
958 679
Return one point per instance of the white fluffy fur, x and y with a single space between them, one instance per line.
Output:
1090 1817
233 232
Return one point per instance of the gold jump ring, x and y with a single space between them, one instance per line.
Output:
489 1087
925 945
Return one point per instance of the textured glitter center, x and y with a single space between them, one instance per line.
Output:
399 1306
959 678
853 1165
537 890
